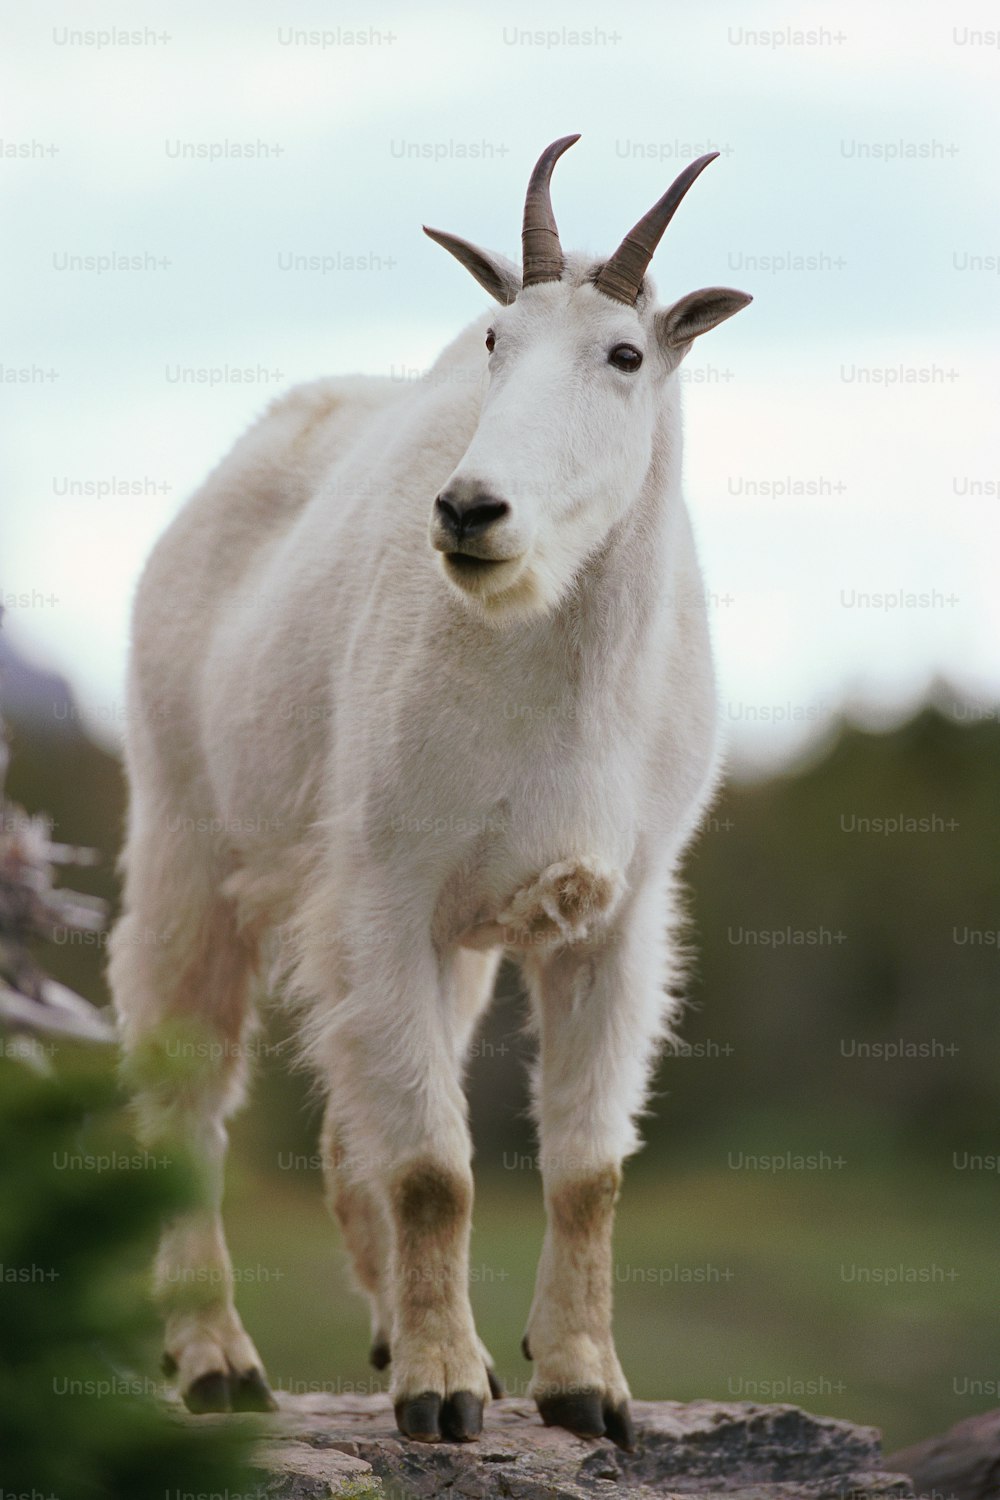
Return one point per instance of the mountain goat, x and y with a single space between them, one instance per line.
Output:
419 677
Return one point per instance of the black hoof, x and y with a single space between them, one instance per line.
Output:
251 1392
618 1425
496 1384
461 1417
578 1411
379 1355
526 1347
208 1393
418 1417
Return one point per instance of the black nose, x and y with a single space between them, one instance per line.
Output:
465 516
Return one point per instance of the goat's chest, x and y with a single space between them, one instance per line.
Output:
513 821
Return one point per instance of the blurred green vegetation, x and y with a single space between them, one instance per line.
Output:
859 1285
80 1210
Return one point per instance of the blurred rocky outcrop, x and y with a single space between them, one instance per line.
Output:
33 910
962 1463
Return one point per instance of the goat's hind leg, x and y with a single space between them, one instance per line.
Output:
180 978
363 1223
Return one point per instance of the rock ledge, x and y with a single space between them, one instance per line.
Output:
321 1445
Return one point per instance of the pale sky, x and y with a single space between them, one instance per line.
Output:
840 433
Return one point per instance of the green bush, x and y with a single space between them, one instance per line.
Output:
80 1208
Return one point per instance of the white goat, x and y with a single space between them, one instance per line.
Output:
397 759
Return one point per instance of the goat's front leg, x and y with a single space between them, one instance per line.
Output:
396 1089
601 1010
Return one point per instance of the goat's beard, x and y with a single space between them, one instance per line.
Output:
510 592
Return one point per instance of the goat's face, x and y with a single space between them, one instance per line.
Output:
578 363
561 450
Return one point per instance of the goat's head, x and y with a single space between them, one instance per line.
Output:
578 358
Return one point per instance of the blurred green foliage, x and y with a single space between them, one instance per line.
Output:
80 1209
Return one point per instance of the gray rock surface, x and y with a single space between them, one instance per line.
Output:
322 1445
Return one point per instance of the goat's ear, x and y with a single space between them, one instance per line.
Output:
499 276
696 313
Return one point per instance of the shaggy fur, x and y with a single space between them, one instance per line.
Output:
355 765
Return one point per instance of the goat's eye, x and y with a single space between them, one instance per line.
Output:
491 339
625 357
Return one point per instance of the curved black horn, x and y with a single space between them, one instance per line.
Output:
621 277
541 251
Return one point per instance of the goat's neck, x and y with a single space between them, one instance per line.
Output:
613 620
